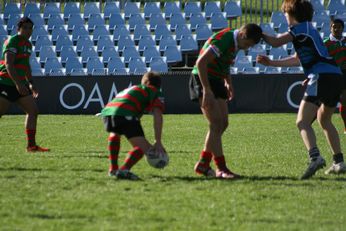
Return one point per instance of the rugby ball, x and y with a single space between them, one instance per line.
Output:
157 159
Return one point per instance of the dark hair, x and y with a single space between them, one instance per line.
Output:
300 10
337 21
252 31
24 20
152 78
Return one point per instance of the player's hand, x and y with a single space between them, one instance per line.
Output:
305 82
208 99
159 147
33 90
22 89
264 60
230 91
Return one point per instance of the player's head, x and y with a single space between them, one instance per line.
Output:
151 78
249 35
337 27
25 26
297 11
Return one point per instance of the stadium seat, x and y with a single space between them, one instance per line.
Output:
283 27
258 49
108 53
158 64
278 52
191 8
151 52
129 52
115 20
3 38
182 30
272 70
32 8
145 41
203 32
75 20
120 71
250 70
268 28
11 9
156 19
37 19
218 21
171 8
165 41
38 31
77 72
88 52
173 55
71 8
12 22
336 6
2 22
104 41
55 20
95 66
188 43
100 30
3 30
51 8
139 71
321 18
175 20
294 70
197 19
63 40
115 63
342 16
232 9
59 30
212 8
242 62
278 18
95 20
111 8
46 52
91 8
79 31
42 40
34 63
317 5
151 8
161 30
136 63
66 53
37 72
52 63
120 30
125 41
73 63
131 8
57 72
136 19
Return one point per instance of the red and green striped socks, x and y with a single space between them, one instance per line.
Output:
132 158
113 148
205 158
220 162
30 137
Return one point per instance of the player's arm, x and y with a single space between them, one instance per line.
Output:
277 41
229 86
31 82
158 124
285 62
9 62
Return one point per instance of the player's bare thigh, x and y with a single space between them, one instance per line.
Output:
4 104
28 104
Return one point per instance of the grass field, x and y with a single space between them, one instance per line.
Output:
68 189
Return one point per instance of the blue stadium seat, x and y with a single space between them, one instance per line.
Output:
212 7
73 63
171 8
120 71
188 44
66 53
191 8
197 19
278 18
74 20
140 30
131 8
232 9
95 66
151 8
176 19
38 31
139 71
111 8
12 22
100 30
218 21
115 63
42 40
51 8
108 53
34 63
51 64
258 49
104 41
46 52
342 16
84 41
95 20
294 70
91 8
156 19
272 70
145 41
166 40
242 62
11 9
321 17
63 40
120 30
37 19
172 54
125 41
77 72
88 52
268 28
37 72
158 64
161 30
59 30
57 72
283 27
55 20
182 30
250 70
278 52
136 19
317 5
336 6
3 38
150 52
2 22
71 8
79 31
129 52
203 32
116 19
32 8
136 63
3 30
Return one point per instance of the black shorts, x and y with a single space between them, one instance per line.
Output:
11 93
196 89
327 90
129 126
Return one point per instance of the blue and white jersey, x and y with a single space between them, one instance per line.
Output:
311 50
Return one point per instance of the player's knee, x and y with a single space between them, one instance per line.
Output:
216 127
33 112
302 124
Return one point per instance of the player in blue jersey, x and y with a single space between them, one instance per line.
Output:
323 89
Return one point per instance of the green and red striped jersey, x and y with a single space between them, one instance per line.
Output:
337 49
22 48
134 101
224 46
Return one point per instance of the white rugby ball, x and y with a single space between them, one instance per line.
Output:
157 159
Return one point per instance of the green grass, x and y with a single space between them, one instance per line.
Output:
68 188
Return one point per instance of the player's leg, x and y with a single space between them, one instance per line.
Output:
343 107
113 148
307 112
27 103
4 105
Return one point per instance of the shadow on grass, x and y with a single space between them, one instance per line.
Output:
20 169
